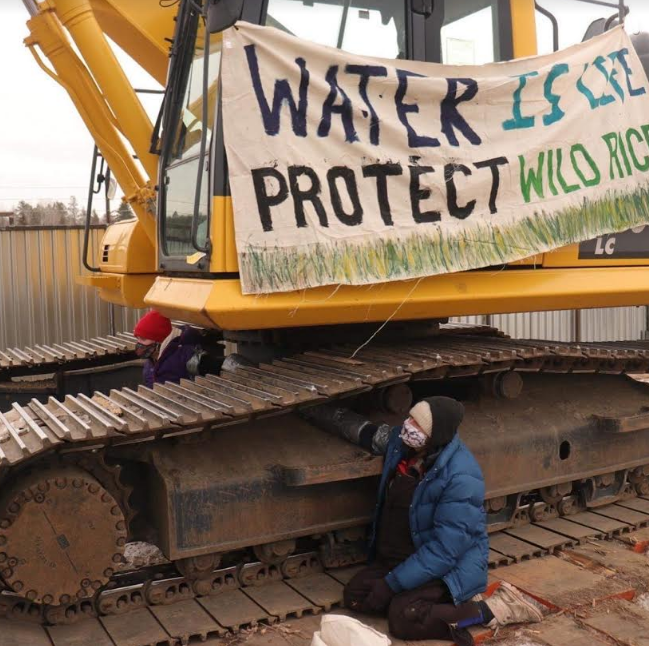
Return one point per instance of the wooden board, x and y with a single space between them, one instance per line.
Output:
615 556
564 631
638 539
18 633
137 628
234 609
608 526
510 546
573 530
559 584
629 516
185 619
320 589
280 600
88 631
625 622
543 538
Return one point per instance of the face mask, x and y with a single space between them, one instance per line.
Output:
412 436
145 351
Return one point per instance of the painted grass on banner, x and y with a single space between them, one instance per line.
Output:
425 254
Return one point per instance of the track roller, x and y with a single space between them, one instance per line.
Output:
504 385
198 567
554 494
274 553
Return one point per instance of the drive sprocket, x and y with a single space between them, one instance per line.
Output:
61 536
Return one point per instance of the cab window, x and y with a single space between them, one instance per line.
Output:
367 27
183 154
468 33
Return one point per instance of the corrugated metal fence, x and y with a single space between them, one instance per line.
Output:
40 301
608 324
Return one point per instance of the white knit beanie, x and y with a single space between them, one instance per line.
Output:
422 414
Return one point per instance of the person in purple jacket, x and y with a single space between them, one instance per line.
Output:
171 353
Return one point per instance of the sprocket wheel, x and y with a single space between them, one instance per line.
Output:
61 536
110 477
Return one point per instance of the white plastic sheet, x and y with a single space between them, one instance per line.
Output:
340 630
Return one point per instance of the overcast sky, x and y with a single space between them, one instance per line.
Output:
45 149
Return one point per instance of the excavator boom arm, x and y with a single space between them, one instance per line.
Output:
142 28
73 36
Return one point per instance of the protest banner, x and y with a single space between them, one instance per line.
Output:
350 170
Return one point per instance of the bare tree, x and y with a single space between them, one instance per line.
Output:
74 212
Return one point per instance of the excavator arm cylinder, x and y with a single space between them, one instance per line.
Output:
78 18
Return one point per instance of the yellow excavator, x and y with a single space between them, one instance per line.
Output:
222 473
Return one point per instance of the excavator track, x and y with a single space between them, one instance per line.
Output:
163 608
37 437
70 355
127 416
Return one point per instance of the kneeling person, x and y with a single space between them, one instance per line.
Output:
429 546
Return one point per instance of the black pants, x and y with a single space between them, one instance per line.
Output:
427 612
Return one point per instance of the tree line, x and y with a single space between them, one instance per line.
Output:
60 214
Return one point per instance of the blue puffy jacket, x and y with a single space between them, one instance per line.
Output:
447 522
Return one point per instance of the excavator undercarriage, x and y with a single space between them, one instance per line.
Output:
234 485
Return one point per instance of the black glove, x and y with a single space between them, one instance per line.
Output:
379 598
204 362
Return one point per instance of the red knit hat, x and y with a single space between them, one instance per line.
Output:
153 326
